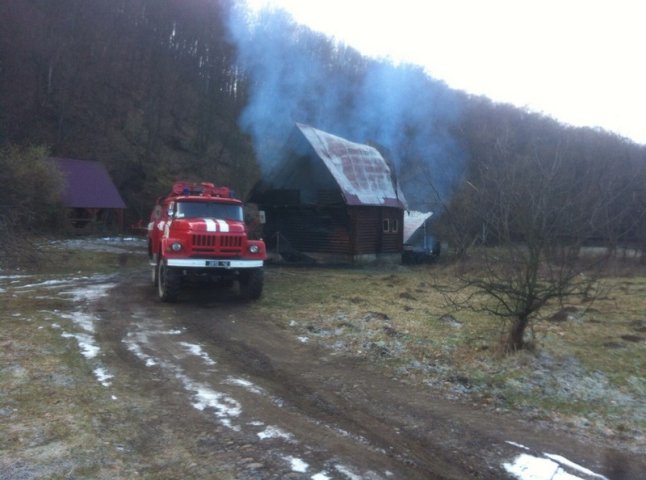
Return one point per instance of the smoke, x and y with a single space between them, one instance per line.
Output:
298 76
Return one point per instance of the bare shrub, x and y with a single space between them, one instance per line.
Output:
30 203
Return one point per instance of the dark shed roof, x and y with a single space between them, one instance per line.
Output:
359 170
88 184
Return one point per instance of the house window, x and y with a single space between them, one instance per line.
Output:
390 225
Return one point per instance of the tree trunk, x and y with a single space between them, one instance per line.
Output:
515 340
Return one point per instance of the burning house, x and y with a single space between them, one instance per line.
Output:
331 200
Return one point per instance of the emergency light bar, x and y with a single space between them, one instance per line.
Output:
203 189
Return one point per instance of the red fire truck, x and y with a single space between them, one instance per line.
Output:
198 231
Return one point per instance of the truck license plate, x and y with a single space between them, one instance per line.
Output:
218 263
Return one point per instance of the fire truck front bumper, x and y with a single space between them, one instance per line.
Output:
213 263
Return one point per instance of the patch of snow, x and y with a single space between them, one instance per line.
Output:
105 244
347 472
346 434
135 348
89 292
569 463
227 423
517 445
13 277
205 397
123 239
274 432
171 332
103 376
321 476
297 464
86 344
529 467
198 352
279 402
81 320
246 384
49 283
113 397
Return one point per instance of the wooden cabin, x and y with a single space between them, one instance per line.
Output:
93 203
331 200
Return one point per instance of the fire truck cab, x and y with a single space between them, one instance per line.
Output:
198 231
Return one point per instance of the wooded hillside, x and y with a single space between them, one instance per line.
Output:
165 89
148 87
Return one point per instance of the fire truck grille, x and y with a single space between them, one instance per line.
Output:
231 244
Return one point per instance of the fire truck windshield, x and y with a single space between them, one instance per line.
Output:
222 211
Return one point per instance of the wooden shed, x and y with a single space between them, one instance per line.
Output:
332 200
93 201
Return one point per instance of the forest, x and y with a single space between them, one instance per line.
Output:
201 89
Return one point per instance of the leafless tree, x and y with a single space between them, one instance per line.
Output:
536 209
30 199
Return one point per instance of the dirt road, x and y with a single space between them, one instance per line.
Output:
243 398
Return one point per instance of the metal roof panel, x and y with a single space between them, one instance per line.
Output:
360 171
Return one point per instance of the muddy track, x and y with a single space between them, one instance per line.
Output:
273 407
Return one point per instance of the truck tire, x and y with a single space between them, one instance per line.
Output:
251 283
168 282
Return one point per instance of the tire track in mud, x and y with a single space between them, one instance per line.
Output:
311 385
221 389
285 405
291 409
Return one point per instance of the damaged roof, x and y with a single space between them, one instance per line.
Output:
87 184
360 171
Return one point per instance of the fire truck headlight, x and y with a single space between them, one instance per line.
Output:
176 246
254 248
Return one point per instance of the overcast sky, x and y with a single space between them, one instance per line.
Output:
580 61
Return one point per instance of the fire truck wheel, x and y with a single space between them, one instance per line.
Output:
251 283
168 282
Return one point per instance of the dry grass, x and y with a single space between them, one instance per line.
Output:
56 419
586 369
49 398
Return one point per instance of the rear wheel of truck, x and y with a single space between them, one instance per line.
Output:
251 283
168 282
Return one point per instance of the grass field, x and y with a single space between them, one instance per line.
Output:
585 372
